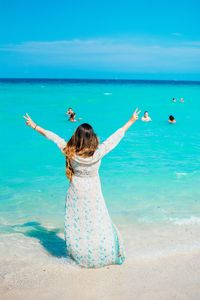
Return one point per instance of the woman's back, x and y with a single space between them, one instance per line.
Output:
92 240
84 167
89 166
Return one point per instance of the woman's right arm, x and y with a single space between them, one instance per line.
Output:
60 142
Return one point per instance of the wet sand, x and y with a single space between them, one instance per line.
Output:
162 263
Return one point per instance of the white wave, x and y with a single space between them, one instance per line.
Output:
180 174
186 221
107 94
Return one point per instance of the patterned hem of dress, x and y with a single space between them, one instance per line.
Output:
119 248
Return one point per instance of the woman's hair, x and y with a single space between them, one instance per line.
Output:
83 143
171 118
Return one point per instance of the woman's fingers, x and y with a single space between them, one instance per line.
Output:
137 112
27 117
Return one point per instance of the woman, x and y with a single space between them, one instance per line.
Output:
92 240
69 111
146 117
72 117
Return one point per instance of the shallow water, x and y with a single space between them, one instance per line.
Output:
153 176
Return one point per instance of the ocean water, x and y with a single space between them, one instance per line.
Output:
152 177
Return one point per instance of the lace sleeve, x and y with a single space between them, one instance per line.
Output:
60 142
110 143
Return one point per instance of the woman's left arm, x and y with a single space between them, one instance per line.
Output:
132 120
60 142
116 137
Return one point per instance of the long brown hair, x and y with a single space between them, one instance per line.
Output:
83 142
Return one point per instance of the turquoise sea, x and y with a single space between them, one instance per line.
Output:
153 176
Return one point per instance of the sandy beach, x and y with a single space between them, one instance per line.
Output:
162 263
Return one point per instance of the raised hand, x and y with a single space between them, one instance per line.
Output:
29 121
136 114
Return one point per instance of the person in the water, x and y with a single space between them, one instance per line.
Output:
69 111
182 100
174 100
171 119
146 117
72 117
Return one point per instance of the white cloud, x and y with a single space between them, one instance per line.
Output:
109 54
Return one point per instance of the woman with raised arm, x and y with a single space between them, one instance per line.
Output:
92 240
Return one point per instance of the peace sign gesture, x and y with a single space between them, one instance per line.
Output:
29 121
136 114
132 120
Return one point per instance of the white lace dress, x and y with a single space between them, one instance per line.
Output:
92 240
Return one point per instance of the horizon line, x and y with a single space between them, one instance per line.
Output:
95 79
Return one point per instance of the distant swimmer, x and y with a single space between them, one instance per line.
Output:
146 117
171 119
174 100
69 111
182 100
72 117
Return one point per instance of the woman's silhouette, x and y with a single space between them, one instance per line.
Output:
92 240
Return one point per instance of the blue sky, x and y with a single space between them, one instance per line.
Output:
100 39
